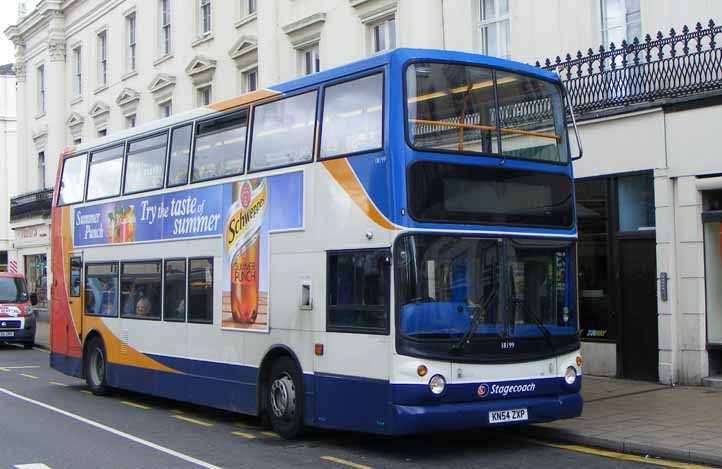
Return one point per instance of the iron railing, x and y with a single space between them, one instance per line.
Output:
643 71
30 204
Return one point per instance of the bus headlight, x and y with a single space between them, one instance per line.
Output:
437 384
570 375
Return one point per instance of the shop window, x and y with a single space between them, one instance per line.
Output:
145 165
220 147
353 116
141 290
200 290
595 296
357 291
635 197
101 289
713 278
283 132
174 290
180 150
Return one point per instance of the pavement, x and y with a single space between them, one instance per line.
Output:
682 423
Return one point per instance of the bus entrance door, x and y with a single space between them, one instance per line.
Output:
75 300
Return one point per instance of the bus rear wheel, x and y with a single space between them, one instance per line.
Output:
284 398
95 367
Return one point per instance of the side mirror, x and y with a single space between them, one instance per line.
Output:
33 299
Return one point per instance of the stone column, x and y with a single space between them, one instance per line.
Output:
55 95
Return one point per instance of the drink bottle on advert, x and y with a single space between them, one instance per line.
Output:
243 244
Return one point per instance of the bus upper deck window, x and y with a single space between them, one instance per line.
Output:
180 151
72 182
353 116
283 132
105 169
145 166
220 147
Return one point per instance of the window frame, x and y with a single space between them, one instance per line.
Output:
387 303
42 92
246 75
246 147
131 44
90 154
211 259
162 106
387 34
191 150
322 98
204 5
41 169
102 56
186 263
120 288
85 178
604 23
126 154
74 256
494 156
117 277
315 50
496 20
200 89
166 27
78 71
317 123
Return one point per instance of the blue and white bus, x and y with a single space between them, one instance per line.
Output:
386 247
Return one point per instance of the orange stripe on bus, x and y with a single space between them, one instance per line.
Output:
341 171
247 98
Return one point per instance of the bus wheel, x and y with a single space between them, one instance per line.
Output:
285 398
95 367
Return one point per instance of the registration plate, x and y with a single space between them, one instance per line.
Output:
511 415
7 334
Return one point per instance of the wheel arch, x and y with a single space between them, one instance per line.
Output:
274 353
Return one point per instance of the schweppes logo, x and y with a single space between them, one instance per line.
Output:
249 214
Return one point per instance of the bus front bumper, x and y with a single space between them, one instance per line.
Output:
469 415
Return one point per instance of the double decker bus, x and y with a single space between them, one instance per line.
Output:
386 247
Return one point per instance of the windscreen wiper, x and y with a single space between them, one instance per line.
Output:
535 318
476 316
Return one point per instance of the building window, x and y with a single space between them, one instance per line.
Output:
165 109
130 121
205 17
165 44
41 170
383 35
621 20
200 290
41 89
357 291
102 132
250 80
635 200
494 27
204 95
130 27
249 7
309 60
102 58
77 72
77 140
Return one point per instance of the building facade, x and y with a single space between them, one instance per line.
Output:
88 68
8 129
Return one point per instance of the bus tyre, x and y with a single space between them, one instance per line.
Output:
96 367
284 401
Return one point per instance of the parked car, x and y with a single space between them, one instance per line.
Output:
17 318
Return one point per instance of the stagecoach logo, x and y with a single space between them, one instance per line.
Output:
504 390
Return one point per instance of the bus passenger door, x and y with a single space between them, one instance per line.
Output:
75 300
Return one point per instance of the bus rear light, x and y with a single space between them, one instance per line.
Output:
422 370
318 349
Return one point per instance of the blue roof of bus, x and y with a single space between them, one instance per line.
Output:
403 55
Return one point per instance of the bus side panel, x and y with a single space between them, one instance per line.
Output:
65 345
353 403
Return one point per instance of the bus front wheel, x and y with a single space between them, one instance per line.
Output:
284 398
95 367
